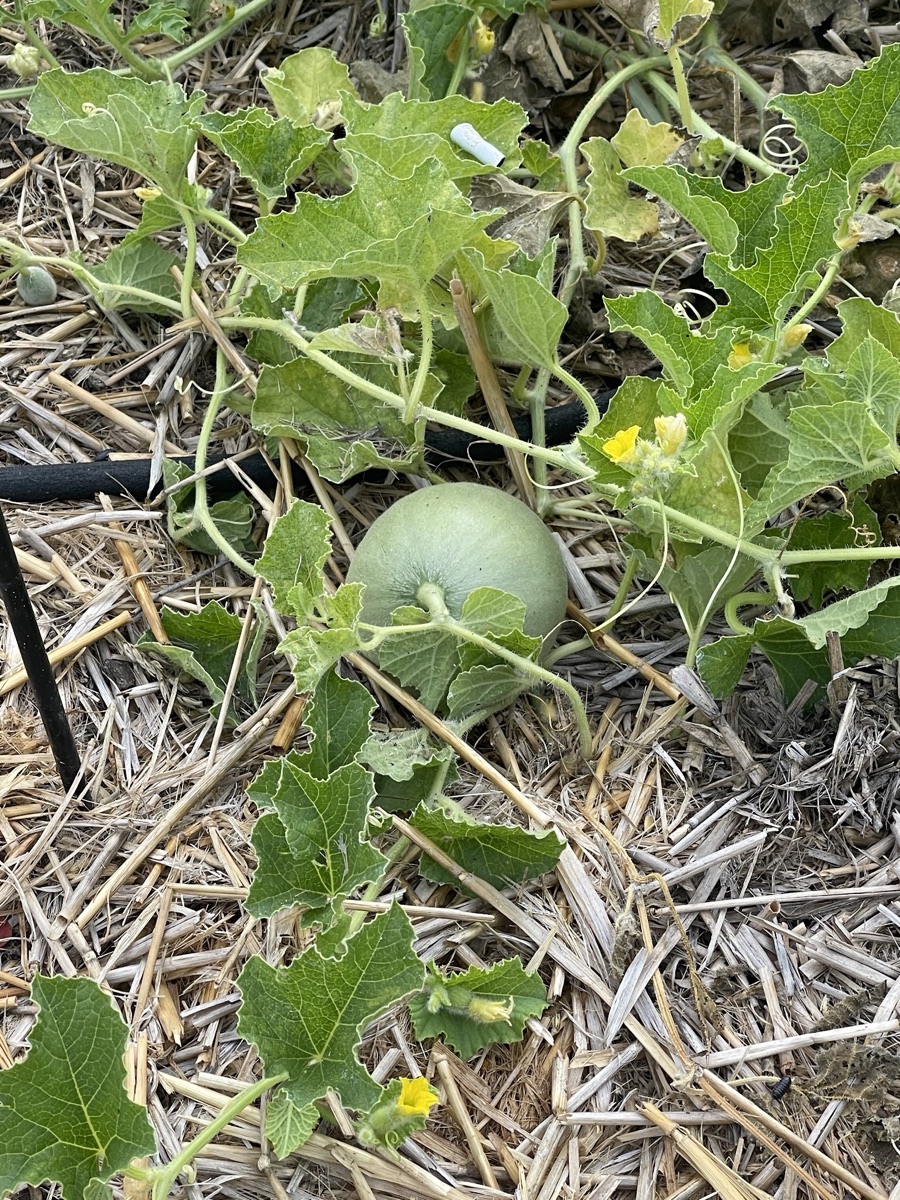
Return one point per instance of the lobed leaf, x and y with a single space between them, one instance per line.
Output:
64 1113
307 1019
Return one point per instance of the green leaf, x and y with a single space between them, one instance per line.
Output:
315 651
482 689
463 1003
867 622
64 1113
610 208
503 855
409 768
287 1126
388 228
694 576
307 1019
295 552
430 34
164 17
233 517
313 850
203 645
142 264
306 84
852 128
529 315
270 153
852 527
762 293
739 225
690 360
337 717
420 129
146 127
345 430
827 443
425 662
680 20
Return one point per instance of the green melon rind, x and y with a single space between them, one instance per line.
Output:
461 536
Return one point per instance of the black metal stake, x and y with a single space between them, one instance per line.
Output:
34 658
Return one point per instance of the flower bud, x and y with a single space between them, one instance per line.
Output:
671 432
25 61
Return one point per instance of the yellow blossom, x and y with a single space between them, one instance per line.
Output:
147 193
621 448
796 337
671 432
740 355
417 1097
482 38
486 1012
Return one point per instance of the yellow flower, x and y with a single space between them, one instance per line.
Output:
671 432
147 193
797 336
486 1012
482 38
621 448
740 355
417 1097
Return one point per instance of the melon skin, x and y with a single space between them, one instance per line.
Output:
460 536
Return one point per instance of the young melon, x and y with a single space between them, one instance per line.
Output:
460 536
36 286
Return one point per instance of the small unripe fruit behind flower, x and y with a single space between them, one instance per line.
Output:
461 536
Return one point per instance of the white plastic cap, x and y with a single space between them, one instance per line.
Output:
468 138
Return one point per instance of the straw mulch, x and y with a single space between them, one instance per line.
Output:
725 918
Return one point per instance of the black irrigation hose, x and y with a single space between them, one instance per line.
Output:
131 476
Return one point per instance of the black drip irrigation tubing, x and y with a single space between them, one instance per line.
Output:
131 476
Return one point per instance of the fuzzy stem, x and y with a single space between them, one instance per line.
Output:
525 665
565 461
186 53
202 516
163 1178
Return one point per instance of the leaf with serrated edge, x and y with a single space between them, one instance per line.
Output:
337 717
143 264
500 123
504 982
761 294
852 128
485 688
270 153
324 828
736 224
315 651
400 230
531 317
307 1019
64 1112
305 82
144 126
424 661
430 36
203 645
827 443
610 208
640 143
500 854
295 553
287 1126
